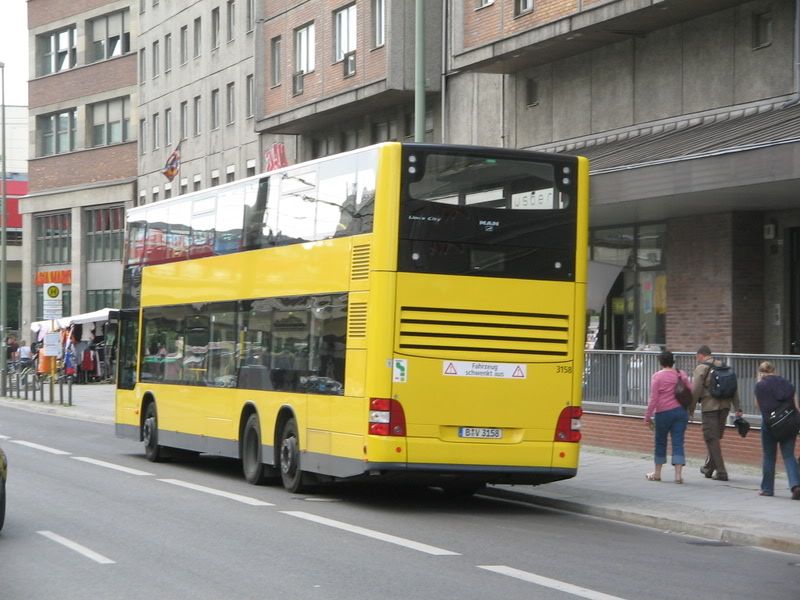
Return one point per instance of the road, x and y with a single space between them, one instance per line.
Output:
89 517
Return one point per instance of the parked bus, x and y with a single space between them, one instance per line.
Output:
413 311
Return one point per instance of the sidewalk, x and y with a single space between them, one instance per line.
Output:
610 484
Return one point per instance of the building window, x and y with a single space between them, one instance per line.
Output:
156 59
56 132
304 49
531 92
230 173
167 191
230 103
196 183
215 28
230 21
345 31
214 178
198 37
185 186
142 65
156 130
184 44
275 61
168 53
155 194
251 167
104 231
214 109
167 127
100 299
56 51
198 117
522 7
110 121
482 3
249 96
54 239
184 126
110 36
762 30
384 131
251 14
142 136
378 22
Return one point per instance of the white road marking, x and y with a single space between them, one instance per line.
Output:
371 533
554 584
90 554
40 447
108 465
4 437
213 492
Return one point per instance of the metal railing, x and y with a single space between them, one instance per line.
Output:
618 381
21 382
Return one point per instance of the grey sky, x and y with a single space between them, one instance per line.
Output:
14 49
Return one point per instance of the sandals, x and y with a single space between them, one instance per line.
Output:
679 480
652 477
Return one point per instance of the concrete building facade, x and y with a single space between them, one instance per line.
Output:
82 151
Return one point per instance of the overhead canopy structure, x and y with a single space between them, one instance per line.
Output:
97 316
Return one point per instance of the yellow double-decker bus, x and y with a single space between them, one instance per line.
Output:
405 310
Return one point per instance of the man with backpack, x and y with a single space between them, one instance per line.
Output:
714 386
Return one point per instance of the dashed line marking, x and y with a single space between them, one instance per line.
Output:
75 546
215 492
371 533
108 465
36 446
553 584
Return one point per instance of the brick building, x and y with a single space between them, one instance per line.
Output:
82 159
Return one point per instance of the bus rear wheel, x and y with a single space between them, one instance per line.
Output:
255 471
152 451
289 448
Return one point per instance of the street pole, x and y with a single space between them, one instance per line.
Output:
419 73
3 294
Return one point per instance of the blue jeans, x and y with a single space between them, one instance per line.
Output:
769 456
672 422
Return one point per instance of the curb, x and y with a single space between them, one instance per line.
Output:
725 535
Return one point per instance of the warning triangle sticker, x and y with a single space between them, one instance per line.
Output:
518 372
450 370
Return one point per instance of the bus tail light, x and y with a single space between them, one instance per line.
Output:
568 428
386 417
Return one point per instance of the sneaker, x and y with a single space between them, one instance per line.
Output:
720 477
796 492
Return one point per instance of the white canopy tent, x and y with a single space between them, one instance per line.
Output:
96 317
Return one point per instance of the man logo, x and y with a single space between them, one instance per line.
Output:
53 291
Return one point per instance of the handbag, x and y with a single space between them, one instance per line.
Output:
683 394
783 422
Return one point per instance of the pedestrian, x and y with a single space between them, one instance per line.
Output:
714 413
772 391
24 355
670 417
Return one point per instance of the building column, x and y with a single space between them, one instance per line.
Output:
78 271
28 265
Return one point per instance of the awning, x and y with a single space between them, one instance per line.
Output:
97 316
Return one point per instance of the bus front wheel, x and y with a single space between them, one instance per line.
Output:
152 451
291 475
255 471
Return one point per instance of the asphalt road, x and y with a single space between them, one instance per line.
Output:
89 517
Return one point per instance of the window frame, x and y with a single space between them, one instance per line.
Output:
305 48
345 32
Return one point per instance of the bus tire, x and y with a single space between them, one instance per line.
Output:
253 467
289 452
152 451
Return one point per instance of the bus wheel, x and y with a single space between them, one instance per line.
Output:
291 475
152 451
254 469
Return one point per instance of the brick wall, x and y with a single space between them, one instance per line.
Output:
496 21
109 163
85 81
748 282
630 433
41 12
699 304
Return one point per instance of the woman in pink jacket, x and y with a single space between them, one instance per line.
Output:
669 416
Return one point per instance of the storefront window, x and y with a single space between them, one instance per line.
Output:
634 315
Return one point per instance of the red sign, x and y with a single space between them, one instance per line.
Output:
64 276
276 157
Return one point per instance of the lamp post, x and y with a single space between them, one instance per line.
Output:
3 294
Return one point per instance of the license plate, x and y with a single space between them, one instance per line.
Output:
481 433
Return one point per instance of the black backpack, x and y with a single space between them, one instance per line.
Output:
722 382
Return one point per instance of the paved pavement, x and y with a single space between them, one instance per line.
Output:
609 484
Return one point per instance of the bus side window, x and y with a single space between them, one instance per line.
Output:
230 216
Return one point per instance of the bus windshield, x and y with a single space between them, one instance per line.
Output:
499 215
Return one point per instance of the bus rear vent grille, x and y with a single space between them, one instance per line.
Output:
434 331
359 269
357 320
